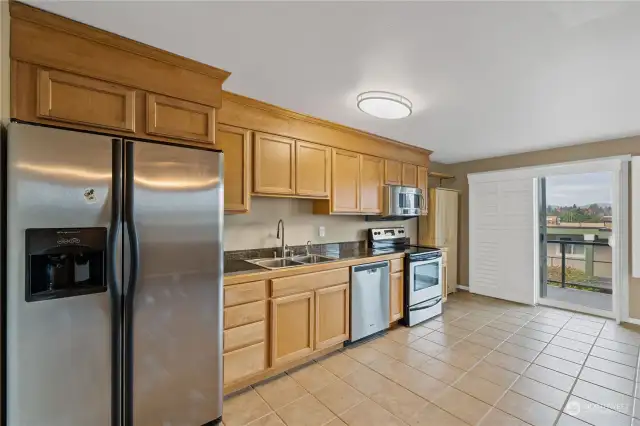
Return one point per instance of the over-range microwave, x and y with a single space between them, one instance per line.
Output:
400 200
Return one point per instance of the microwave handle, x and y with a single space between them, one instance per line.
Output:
423 202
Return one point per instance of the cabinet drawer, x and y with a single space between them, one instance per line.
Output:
396 265
245 335
244 293
244 362
180 119
74 99
301 283
244 314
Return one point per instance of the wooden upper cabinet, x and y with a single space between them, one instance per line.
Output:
396 296
292 319
409 175
332 316
274 165
345 182
234 142
371 181
70 98
392 172
423 182
180 119
313 169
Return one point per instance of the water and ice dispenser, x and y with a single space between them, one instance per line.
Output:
65 262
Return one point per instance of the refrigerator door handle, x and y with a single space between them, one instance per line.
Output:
129 292
131 223
115 294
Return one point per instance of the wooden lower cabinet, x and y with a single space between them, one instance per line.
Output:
244 362
445 281
396 296
292 319
332 316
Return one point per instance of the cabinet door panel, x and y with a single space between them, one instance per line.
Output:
313 168
234 142
180 119
396 296
274 165
371 178
409 175
445 280
392 172
74 99
244 314
346 182
423 181
292 320
244 362
332 315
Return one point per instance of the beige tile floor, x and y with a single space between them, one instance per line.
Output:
483 362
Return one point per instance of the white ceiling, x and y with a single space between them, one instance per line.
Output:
486 78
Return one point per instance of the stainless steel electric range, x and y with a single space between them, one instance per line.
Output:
422 273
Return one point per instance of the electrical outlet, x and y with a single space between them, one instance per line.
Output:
321 231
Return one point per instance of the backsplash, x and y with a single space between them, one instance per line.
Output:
257 229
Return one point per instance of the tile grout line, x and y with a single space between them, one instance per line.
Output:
485 356
519 374
635 391
538 313
575 382
469 310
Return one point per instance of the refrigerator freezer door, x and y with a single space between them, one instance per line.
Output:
177 305
59 364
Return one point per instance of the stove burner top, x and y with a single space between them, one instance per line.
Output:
390 240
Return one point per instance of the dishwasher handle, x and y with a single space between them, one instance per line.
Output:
373 267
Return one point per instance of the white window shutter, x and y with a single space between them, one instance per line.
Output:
501 239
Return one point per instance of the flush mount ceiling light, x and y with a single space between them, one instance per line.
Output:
384 104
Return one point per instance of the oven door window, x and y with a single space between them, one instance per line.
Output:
426 276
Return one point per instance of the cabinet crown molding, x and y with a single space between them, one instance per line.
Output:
45 39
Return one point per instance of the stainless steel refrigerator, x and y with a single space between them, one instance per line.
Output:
114 281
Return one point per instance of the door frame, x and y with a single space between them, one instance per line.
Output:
619 167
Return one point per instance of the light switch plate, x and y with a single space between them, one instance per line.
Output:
321 231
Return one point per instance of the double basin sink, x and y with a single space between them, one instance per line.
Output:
287 262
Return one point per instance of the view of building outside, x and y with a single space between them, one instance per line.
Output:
579 212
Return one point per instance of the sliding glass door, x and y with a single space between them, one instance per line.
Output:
576 229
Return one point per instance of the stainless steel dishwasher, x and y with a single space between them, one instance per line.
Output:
369 299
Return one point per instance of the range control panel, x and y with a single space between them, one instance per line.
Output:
383 234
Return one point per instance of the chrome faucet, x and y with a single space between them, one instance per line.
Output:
280 222
308 246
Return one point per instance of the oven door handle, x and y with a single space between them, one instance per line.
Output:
438 300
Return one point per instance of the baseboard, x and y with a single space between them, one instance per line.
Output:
462 287
632 321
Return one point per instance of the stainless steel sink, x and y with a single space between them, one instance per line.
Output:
313 258
288 262
275 263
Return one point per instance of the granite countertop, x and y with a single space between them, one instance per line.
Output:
234 266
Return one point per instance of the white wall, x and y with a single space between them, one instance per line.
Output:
257 229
